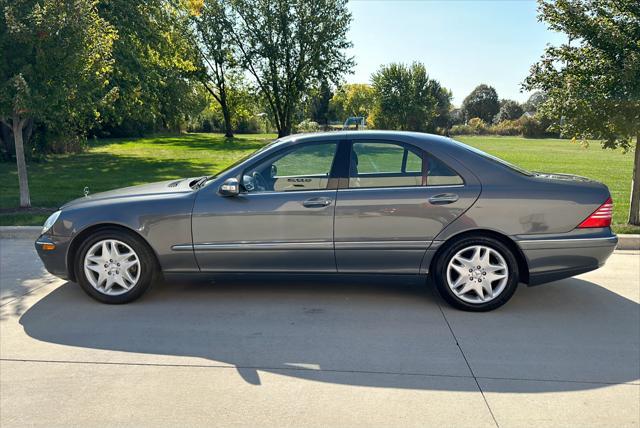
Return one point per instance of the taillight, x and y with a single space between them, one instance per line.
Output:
600 217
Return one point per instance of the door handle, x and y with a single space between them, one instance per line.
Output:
443 198
317 202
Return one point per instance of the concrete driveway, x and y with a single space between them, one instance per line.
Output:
315 352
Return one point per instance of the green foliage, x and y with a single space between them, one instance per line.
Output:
56 61
352 100
319 100
533 127
289 46
509 110
535 100
152 84
220 69
477 125
241 101
407 99
482 102
593 82
307 126
506 127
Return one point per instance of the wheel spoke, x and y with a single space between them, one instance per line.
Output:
462 270
96 268
486 285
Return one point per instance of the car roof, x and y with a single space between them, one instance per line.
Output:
402 136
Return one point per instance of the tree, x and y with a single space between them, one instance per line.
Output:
482 102
216 50
320 99
407 99
55 65
534 101
289 46
593 82
155 66
509 110
355 99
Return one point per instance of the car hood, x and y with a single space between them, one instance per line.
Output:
159 188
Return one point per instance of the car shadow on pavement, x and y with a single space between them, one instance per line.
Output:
376 331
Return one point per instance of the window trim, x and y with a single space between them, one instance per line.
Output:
344 183
332 178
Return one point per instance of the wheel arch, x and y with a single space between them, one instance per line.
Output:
77 241
523 266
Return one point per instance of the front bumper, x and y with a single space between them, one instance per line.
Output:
551 259
55 261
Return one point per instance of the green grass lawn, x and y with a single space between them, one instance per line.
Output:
113 163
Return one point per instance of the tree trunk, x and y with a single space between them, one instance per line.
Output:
228 129
17 124
634 209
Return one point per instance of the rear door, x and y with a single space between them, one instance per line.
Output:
396 199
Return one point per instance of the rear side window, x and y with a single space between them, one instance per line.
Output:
388 164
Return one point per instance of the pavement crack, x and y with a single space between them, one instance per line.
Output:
475 378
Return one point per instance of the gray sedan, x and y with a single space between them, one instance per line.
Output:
384 203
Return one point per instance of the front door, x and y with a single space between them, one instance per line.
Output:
282 221
395 201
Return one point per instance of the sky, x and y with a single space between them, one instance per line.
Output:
462 43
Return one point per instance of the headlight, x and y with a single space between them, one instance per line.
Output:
50 221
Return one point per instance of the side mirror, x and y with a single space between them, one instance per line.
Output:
230 187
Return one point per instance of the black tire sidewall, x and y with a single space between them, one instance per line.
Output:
147 266
440 273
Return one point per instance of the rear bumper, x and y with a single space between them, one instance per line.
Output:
55 261
551 259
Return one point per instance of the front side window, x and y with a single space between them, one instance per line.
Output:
387 164
306 167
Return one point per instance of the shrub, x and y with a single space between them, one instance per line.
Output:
461 130
308 125
477 125
506 127
532 127
474 126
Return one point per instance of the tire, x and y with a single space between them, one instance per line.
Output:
134 279
470 269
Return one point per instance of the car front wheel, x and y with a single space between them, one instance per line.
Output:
476 274
114 267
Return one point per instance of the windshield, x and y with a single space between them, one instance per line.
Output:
497 160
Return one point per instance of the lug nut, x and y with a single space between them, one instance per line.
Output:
478 267
484 273
470 270
479 279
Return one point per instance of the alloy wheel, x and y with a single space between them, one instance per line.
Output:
477 274
112 267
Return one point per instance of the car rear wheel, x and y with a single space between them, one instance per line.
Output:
114 266
476 274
